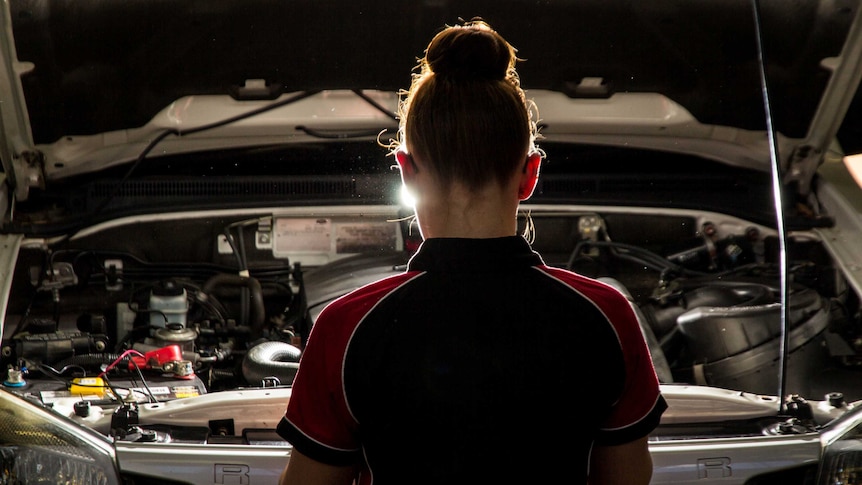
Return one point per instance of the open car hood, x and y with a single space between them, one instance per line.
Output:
86 85
204 174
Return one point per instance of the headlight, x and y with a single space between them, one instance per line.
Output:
38 446
842 464
842 456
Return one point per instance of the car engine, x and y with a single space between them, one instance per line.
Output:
152 311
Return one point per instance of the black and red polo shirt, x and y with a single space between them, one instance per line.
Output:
478 362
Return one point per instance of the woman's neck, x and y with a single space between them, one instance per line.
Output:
469 214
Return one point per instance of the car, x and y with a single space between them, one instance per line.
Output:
186 185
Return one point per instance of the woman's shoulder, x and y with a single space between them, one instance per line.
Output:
366 296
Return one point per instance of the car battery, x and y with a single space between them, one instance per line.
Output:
154 388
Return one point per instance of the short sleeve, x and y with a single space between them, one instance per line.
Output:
317 421
638 410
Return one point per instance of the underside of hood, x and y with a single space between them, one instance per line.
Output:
111 65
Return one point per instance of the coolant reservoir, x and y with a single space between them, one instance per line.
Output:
168 304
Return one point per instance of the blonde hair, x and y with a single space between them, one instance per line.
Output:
465 113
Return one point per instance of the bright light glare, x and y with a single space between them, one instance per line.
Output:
854 166
407 199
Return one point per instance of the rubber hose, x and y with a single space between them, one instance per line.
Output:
256 296
271 359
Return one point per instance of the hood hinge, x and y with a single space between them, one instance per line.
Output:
801 168
29 172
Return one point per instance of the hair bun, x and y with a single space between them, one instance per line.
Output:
470 52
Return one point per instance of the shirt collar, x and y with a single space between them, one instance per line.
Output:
463 254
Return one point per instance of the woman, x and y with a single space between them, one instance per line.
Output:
462 369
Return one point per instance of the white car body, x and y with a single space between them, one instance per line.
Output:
96 201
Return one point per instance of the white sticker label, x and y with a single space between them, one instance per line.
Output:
365 237
156 390
294 235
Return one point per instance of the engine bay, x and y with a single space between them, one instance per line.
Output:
118 324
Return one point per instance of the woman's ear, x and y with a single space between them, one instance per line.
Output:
407 165
530 176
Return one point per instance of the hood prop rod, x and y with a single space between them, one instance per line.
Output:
779 211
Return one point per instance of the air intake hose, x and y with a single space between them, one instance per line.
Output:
271 359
